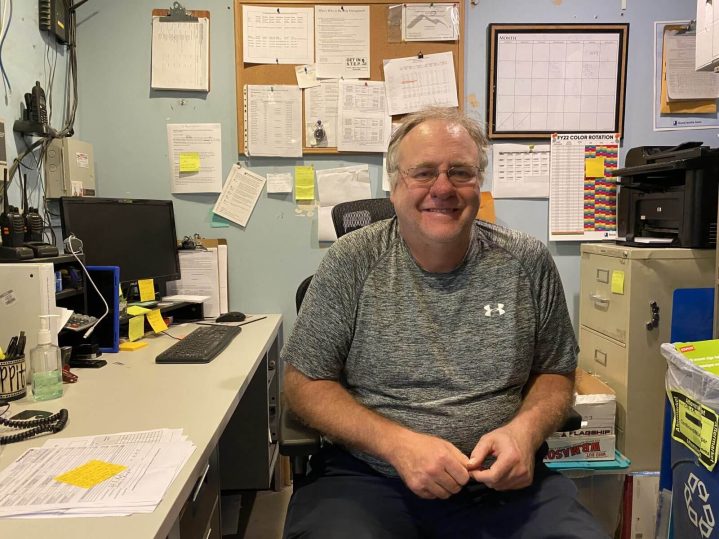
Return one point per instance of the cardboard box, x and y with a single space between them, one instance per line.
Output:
574 448
596 402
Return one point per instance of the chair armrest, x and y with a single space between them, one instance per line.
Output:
296 438
573 421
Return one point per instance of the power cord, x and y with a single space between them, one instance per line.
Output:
73 245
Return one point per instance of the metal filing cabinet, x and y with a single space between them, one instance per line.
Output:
618 285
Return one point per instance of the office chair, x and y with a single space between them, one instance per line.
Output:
297 440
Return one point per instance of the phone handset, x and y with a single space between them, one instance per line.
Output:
36 104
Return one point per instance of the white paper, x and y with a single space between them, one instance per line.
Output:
342 41
343 184
414 83
321 114
325 225
277 35
189 298
200 272
239 196
683 82
274 120
430 22
222 274
307 76
520 170
205 139
556 82
363 124
180 55
582 208
152 461
279 182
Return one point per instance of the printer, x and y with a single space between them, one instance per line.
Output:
668 196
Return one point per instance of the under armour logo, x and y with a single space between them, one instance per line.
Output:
489 310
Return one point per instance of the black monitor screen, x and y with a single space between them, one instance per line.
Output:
136 235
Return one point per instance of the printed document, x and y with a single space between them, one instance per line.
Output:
321 114
363 124
200 272
280 182
430 22
200 144
414 83
239 196
273 120
277 35
683 82
520 170
342 41
180 55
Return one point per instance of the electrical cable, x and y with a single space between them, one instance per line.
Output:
4 33
74 252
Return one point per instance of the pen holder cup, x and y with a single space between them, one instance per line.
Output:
13 383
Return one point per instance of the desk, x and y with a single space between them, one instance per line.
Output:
132 393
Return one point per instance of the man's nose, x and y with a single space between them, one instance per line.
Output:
441 186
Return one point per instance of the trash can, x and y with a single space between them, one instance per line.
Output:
693 393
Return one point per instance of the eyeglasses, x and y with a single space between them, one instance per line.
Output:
459 175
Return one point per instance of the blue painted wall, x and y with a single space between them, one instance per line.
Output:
28 56
126 121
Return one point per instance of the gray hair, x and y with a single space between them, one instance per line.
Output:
447 114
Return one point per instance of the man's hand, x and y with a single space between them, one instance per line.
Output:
514 464
430 467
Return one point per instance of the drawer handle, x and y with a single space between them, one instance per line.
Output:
600 357
198 487
599 299
209 532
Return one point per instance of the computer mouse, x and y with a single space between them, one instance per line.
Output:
232 316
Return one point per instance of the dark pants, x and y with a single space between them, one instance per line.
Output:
345 498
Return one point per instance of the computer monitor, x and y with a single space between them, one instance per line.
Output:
137 235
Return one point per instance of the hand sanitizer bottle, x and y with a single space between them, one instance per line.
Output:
46 365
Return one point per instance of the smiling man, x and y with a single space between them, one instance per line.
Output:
436 354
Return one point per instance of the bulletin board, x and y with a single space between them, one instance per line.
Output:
381 48
554 78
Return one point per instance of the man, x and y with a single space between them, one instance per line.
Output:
436 353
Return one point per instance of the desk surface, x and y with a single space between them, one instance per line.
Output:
132 393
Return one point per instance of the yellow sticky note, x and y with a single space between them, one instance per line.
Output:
189 161
132 346
147 289
136 328
304 183
156 321
594 167
617 282
91 473
135 310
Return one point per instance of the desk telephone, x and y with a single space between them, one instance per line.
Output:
32 427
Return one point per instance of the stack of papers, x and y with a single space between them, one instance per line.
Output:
104 475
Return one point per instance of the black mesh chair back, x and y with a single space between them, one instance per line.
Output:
349 216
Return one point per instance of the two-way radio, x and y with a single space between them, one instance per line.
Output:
34 228
12 230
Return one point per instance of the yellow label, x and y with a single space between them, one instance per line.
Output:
594 167
156 321
189 161
132 346
617 282
304 183
90 474
136 328
147 289
696 426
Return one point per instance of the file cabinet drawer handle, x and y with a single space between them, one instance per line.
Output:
599 299
198 486
600 357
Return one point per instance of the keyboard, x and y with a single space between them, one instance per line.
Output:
200 346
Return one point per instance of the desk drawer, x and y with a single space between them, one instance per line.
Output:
203 505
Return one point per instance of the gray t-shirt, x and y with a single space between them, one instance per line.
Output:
446 354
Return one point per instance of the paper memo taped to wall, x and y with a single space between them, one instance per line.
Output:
180 51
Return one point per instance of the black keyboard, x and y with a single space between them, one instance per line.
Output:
200 346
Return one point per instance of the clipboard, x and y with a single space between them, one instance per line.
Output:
683 106
180 58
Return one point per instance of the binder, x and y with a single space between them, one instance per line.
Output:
180 49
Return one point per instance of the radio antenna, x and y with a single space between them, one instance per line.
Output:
6 207
24 194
